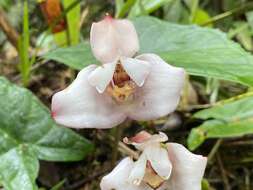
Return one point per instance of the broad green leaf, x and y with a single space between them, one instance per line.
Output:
236 110
143 7
77 57
19 168
27 133
175 12
201 51
229 120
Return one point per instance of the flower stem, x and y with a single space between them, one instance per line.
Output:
224 15
117 136
127 151
214 150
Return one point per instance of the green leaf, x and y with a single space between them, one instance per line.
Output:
201 51
118 7
19 168
229 120
242 32
76 57
142 7
232 111
60 38
73 19
201 16
196 138
27 133
123 8
59 185
205 185
176 12
249 16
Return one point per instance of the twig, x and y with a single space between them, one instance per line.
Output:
125 149
247 179
84 15
245 95
122 148
238 143
214 150
223 173
80 183
224 15
128 151
8 29
203 106
117 135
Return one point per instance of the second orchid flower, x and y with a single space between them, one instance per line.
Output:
160 166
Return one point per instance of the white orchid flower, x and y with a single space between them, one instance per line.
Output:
161 166
140 88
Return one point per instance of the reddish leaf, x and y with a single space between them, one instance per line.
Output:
52 10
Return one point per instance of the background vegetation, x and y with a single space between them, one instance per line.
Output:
44 45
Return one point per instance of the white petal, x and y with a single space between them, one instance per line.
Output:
103 41
161 137
160 93
138 70
138 170
147 140
127 37
111 38
140 137
188 168
81 106
159 159
120 172
102 76
117 179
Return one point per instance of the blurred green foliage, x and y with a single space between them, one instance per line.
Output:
211 39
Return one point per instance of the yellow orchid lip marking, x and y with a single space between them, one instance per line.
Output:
152 178
121 87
